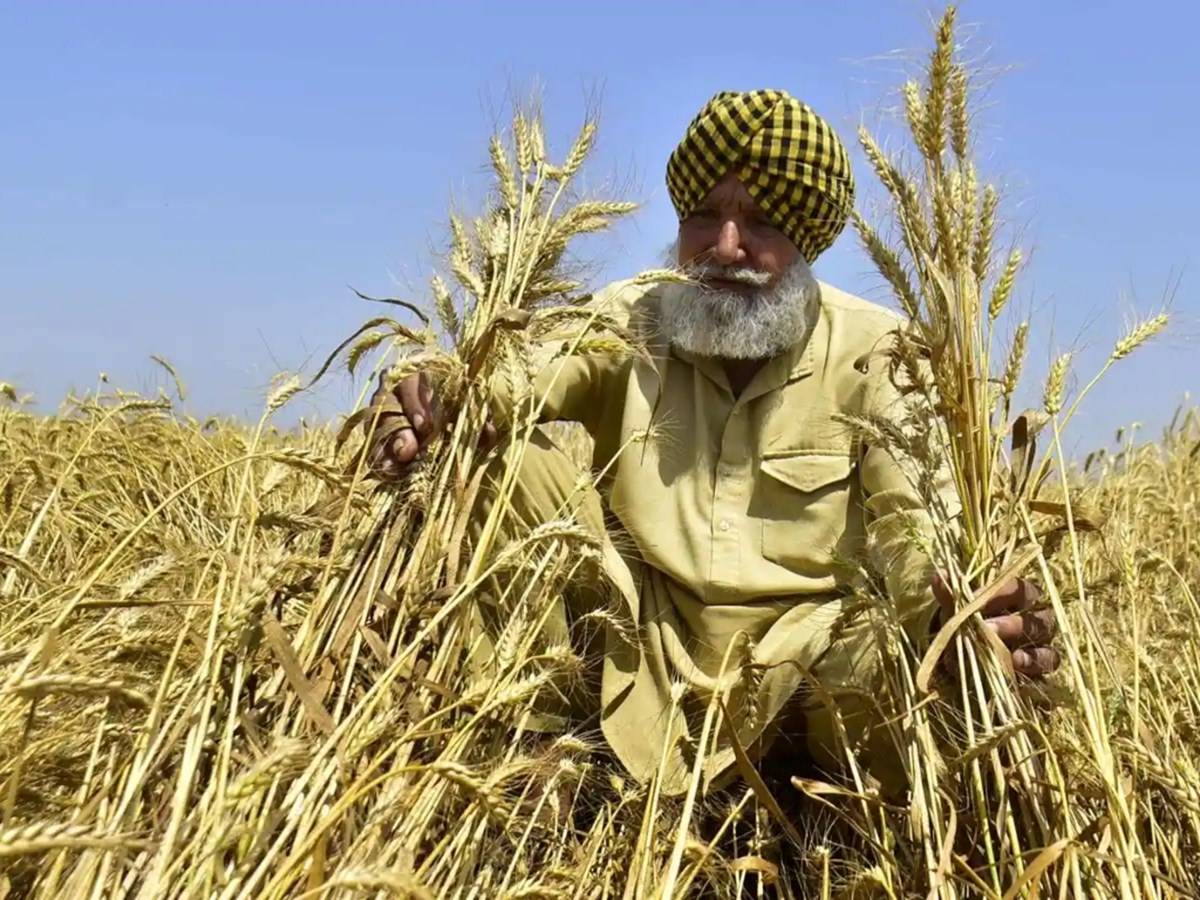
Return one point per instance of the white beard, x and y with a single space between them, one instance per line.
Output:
755 324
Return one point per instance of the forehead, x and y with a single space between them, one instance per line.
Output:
729 191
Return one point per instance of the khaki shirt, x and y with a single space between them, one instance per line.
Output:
746 513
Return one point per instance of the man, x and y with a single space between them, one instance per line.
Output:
728 471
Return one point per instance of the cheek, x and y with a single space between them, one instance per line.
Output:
692 242
776 255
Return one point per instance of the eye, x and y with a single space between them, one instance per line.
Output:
761 224
703 215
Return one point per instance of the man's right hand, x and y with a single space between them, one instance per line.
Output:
408 418
405 423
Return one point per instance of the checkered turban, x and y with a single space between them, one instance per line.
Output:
786 155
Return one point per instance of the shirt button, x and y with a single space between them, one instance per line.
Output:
724 526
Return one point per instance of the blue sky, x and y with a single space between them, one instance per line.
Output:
204 180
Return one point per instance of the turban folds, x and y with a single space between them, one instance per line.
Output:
789 159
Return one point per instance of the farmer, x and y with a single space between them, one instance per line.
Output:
734 492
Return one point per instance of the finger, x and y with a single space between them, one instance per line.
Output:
943 594
381 463
409 391
1035 661
425 396
404 446
1009 628
1014 595
1024 629
489 437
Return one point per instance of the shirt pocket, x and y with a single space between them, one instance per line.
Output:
806 502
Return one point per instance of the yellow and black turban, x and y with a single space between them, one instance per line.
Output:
786 155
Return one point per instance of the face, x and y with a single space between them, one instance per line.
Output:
727 228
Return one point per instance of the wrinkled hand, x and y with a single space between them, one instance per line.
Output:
409 417
1014 617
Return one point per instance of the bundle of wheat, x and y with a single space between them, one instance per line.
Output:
999 798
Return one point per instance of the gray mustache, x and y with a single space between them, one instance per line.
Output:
739 274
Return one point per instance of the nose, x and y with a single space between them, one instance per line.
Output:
728 249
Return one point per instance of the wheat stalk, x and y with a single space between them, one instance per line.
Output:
39 837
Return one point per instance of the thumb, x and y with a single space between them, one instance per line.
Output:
943 594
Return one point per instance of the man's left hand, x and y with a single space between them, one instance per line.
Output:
1014 615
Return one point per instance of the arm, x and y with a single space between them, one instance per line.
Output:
900 529
584 386
566 388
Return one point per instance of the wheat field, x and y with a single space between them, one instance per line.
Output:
232 664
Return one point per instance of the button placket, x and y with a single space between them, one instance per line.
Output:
728 508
